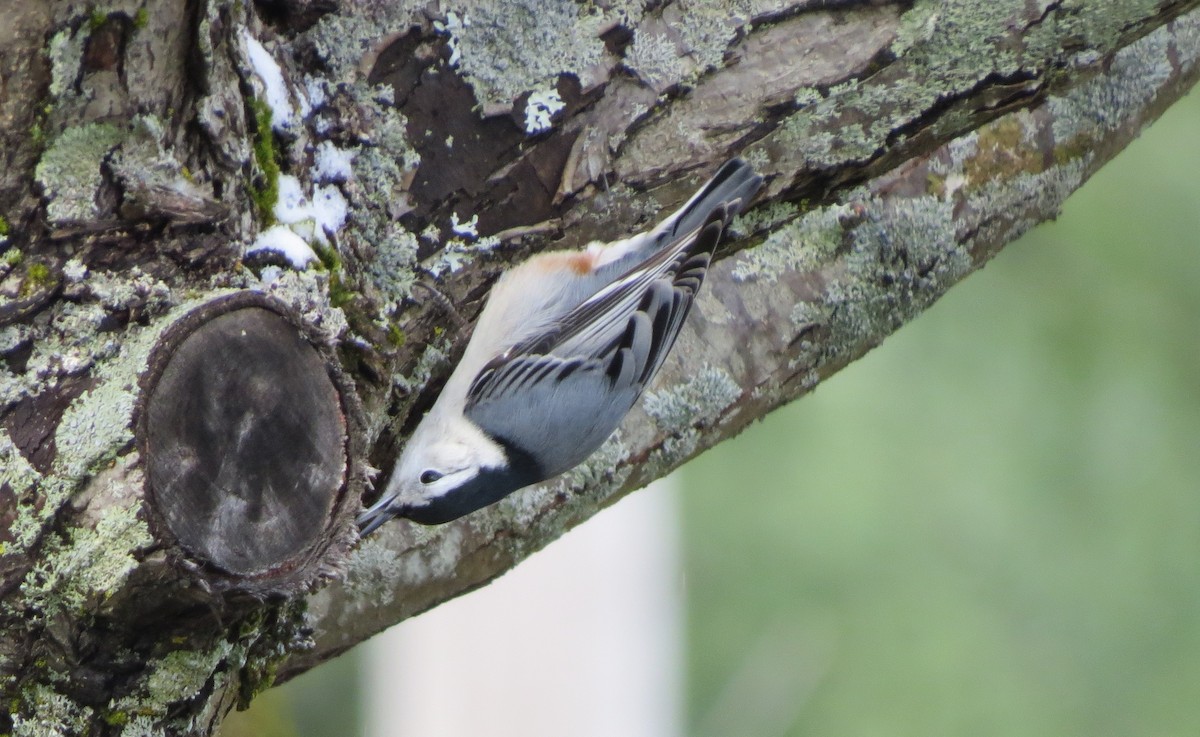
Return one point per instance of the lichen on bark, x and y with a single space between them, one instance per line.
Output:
903 145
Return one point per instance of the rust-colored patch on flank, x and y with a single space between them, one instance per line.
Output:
580 262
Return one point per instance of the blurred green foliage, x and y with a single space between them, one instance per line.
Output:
990 525
323 702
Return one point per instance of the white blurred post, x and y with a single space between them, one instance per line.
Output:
584 639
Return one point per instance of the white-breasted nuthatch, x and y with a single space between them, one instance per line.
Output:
563 348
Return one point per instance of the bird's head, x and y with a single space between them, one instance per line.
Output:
444 474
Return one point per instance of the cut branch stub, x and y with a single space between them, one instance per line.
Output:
245 433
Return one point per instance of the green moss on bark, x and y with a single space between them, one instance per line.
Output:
265 191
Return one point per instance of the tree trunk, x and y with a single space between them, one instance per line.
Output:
215 213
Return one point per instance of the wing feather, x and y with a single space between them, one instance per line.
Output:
563 391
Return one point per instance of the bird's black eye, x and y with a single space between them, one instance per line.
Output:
428 477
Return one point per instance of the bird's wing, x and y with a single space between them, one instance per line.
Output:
563 391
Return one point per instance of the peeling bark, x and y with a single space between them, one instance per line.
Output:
166 167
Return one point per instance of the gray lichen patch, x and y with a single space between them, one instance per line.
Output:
900 259
87 566
1136 75
31 518
133 289
947 40
999 151
916 27
604 468
809 314
678 448
66 54
767 217
946 51
670 454
340 39
457 253
176 677
802 245
851 123
1185 33
381 167
699 399
142 726
707 28
69 171
307 293
875 263
15 471
792 62
656 61
372 572
435 356
1014 196
182 674
20 477
41 711
94 428
686 39
914 238
64 343
508 47
391 271
67 338
431 554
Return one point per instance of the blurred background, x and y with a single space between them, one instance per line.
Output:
990 525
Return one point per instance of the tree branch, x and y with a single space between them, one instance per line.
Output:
822 288
168 167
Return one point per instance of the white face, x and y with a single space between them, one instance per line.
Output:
439 458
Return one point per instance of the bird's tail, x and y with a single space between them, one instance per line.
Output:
734 185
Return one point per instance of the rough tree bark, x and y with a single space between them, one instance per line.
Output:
188 422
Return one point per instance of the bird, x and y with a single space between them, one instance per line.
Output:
562 350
